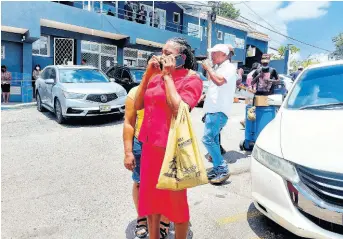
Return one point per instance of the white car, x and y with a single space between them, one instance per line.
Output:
297 161
74 91
287 81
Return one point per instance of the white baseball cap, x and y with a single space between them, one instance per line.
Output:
222 48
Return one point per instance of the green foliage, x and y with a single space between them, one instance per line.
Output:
228 10
338 41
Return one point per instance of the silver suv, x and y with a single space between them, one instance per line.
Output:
74 91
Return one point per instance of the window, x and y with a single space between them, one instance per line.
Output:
176 17
82 76
193 30
134 57
52 74
220 35
229 39
2 52
45 73
41 47
102 56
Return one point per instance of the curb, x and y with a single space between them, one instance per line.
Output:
18 106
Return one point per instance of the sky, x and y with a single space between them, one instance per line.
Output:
314 22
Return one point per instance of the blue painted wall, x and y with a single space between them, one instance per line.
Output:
239 53
13 56
279 65
262 45
203 42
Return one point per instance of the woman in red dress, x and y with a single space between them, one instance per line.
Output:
160 97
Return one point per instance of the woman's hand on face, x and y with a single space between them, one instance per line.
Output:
154 63
169 64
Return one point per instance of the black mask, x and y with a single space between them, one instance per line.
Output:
3 70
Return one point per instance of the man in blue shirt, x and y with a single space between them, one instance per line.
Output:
295 74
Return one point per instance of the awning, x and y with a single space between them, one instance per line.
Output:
149 43
79 29
14 29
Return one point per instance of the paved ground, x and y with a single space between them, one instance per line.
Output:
69 182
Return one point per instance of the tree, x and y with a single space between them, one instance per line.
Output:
338 41
282 50
294 64
228 10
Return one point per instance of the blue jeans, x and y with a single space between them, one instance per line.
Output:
137 152
214 123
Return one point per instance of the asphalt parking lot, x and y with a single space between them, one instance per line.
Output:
68 181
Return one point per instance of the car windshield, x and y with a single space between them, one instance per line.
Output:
318 89
137 75
82 76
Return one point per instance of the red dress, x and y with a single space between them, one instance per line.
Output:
154 135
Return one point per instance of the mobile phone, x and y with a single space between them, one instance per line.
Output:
179 61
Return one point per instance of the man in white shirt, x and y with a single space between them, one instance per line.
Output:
217 107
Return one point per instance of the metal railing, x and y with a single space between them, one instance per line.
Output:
110 9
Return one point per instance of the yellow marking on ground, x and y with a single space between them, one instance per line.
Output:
239 217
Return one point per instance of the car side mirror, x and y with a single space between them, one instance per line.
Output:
112 80
50 81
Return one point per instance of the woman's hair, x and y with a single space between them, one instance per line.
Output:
37 65
185 49
3 66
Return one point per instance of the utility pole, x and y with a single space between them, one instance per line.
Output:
209 30
211 17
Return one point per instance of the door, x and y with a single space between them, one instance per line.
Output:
63 51
49 96
42 85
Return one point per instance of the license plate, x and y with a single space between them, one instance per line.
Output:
105 108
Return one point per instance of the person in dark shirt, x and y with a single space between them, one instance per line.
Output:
295 74
265 77
141 15
128 11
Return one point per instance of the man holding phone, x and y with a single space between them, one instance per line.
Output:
217 106
265 77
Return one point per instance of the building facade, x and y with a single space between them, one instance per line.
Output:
105 34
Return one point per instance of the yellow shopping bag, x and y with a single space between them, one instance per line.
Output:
183 166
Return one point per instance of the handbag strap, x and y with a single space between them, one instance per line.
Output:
182 107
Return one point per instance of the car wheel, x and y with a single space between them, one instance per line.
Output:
58 112
40 108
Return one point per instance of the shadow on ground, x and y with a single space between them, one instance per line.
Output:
130 231
266 228
233 156
87 121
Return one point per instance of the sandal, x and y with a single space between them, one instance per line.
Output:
141 230
164 231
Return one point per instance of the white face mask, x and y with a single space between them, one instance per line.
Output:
37 68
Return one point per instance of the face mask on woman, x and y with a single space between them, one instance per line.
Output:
37 68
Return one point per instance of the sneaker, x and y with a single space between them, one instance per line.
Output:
220 178
211 174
